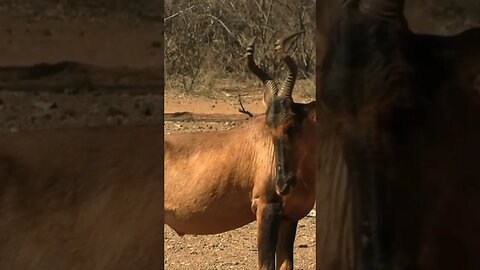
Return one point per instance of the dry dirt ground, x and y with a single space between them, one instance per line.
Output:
61 72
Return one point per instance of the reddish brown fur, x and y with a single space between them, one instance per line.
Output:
423 140
82 199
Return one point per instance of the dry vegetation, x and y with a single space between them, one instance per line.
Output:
205 40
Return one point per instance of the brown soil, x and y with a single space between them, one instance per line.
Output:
59 71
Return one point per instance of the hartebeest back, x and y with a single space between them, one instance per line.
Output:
400 187
264 170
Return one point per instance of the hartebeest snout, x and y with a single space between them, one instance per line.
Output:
263 170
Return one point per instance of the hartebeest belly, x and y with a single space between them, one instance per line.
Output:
207 209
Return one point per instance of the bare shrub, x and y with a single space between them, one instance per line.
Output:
205 39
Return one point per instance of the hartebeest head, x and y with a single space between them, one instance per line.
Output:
290 123
392 102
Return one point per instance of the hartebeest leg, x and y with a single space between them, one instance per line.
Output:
286 239
268 223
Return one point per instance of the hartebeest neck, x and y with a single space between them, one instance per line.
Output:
246 148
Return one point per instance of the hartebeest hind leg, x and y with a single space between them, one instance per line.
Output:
286 239
268 223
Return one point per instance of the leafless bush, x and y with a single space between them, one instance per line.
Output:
208 38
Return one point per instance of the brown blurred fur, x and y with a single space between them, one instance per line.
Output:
82 199
400 114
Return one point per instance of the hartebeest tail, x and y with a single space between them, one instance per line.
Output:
264 171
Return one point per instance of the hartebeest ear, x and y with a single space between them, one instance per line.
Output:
307 111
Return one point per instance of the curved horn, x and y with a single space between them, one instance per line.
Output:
262 75
387 9
289 83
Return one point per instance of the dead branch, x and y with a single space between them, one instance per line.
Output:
242 109
225 27
178 13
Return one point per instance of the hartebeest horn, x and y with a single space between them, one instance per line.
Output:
387 9
262 75
289 83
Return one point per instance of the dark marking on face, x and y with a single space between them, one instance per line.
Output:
279 111
285 120
284 116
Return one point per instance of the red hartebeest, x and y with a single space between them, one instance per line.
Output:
264 171
399 143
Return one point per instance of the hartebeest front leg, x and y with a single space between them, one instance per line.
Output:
286 239
268 223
